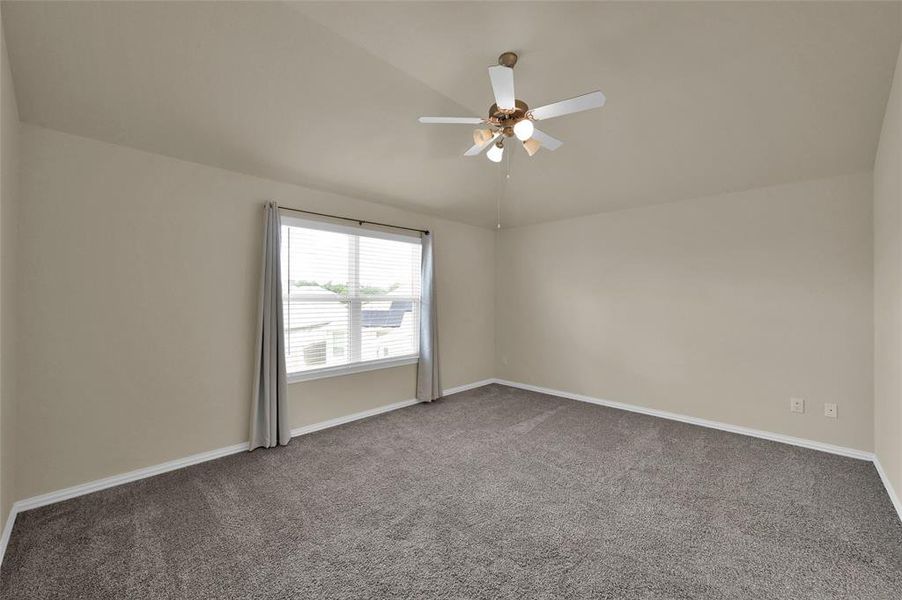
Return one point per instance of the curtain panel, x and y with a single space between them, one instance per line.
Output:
428 387
269 406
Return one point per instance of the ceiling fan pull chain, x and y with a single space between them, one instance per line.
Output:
501 196
508 165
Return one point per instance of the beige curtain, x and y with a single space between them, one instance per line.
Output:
269 411
428 387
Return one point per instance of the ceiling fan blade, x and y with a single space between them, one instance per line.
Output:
566 107
532 146
454 120
478 148
546 140
503 85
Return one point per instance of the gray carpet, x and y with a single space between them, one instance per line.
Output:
492 493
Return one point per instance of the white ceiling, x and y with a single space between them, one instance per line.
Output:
703 98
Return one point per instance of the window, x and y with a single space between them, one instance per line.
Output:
350 298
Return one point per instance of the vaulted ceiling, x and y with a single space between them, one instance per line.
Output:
703 98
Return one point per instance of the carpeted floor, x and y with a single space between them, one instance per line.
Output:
492 493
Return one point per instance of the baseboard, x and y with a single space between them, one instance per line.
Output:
109 482
116 480
350 418
382 409
766 435
7 531
893 496
467 386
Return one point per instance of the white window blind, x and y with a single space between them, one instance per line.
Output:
350 297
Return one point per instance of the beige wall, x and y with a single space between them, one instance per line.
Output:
720 308
9 156
137 285
138 279
137 294
888 289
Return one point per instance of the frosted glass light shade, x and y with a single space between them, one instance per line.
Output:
481 136
523 130
532 146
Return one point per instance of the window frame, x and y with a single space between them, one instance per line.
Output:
359 366
351 368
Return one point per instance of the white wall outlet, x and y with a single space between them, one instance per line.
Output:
797 405
830 410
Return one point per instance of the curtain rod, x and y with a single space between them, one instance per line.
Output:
358 221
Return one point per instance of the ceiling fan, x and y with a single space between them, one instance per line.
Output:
510 117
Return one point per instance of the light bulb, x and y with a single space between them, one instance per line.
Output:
523 130
495 153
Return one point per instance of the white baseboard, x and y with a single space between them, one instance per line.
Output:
354 417
766 435
108 482
467 386
115 480
893 496
382 409
7 531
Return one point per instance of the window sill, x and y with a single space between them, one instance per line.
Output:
337 371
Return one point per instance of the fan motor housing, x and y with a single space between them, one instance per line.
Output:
506 119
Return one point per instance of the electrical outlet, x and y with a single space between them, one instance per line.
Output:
830 410
797 405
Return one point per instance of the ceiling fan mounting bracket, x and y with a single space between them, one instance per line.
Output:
508 59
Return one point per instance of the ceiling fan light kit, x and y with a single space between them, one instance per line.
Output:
511 117
481 136
496 152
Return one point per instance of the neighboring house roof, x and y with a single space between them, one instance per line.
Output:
393 317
